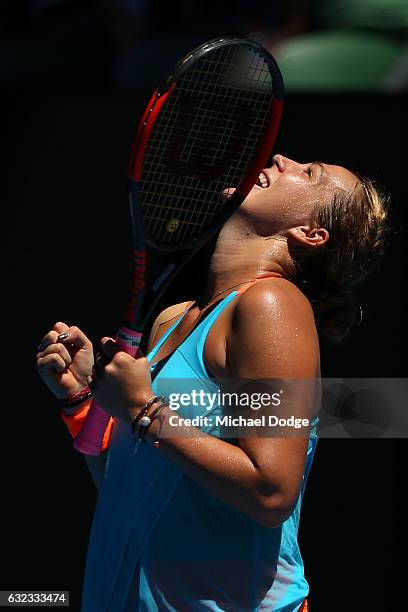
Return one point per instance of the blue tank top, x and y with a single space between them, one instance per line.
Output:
202 554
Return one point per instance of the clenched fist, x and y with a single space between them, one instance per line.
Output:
121 384
65 365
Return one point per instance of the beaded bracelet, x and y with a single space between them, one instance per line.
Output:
143 420
143 430
152 417
156 442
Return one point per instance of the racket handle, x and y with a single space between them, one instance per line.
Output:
89 439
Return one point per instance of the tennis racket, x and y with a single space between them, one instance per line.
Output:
211 126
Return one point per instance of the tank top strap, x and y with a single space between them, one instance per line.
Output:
206 323
255 280
193 346
208 320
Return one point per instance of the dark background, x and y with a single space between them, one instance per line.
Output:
67 123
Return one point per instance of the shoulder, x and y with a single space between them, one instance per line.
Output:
164 320
273 298
273 330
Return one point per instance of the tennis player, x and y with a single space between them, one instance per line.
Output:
195 519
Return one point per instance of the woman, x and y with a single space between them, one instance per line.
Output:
209 522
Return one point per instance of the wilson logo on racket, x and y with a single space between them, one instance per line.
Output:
192 148
172 225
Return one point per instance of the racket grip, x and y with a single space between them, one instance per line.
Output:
89 439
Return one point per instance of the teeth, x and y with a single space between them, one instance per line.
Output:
263 180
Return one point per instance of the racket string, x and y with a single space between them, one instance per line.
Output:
208 138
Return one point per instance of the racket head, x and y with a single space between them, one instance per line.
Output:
210 126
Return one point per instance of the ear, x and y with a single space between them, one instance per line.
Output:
307 239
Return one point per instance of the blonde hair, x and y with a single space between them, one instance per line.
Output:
357 226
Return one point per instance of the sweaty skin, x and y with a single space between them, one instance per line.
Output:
266 332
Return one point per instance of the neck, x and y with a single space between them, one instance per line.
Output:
240 256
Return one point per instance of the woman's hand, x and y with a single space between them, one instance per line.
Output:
121 384
65 365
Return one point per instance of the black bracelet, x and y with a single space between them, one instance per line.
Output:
66 403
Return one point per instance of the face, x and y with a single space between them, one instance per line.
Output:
287 193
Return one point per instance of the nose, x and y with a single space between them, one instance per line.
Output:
284 163
281 161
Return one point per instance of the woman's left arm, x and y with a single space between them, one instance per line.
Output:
272 337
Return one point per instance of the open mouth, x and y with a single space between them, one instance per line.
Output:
262 181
